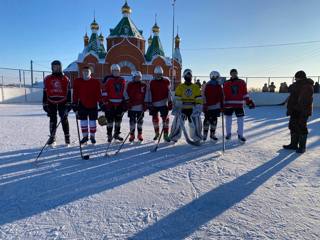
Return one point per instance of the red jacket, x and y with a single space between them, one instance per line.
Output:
235 93
135 95
160 92
56 89
113 90
212 95
87 92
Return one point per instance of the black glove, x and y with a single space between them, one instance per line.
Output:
45 107
75 107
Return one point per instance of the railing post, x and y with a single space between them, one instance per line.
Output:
31 68
269 80
318 79
2 90
25 88
20 78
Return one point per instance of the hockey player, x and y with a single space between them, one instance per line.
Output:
235 95
113 102
57 98
212 105
135 95
86 97
160 101
299 109
188 101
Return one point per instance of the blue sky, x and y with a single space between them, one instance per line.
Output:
43 30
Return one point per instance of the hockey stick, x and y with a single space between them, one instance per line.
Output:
51 136
223 134
126 138
84 157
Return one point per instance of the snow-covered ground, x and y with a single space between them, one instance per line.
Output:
254 191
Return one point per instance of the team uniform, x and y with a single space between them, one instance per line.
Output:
113 104
235 95
189 95
86 97
160 102
57 99
212 104
187 106
135 96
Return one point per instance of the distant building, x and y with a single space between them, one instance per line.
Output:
126 46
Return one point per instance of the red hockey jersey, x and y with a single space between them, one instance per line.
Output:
235 93
56 88
113 90
87 92
160 92
135 94
212 95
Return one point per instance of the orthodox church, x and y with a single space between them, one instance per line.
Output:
126 46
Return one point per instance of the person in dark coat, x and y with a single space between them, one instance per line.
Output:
316 88
299 109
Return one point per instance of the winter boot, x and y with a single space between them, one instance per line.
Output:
213 136
294 142
84 140
118 137
109 138
302 143
67 139
242 139
93 140
131 138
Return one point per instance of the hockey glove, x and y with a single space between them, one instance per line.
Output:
251 104
75 107
45 107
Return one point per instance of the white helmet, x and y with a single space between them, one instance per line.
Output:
136 74
158 70
214 75
187 71
115 67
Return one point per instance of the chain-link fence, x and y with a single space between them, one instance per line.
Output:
11 77
255 84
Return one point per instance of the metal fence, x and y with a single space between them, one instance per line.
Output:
255 84
12 77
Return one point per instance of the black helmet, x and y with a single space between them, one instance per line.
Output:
233 71
56 62
300 75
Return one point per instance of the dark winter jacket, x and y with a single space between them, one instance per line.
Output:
301 98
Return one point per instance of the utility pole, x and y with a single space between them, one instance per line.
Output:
31 68
173 26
